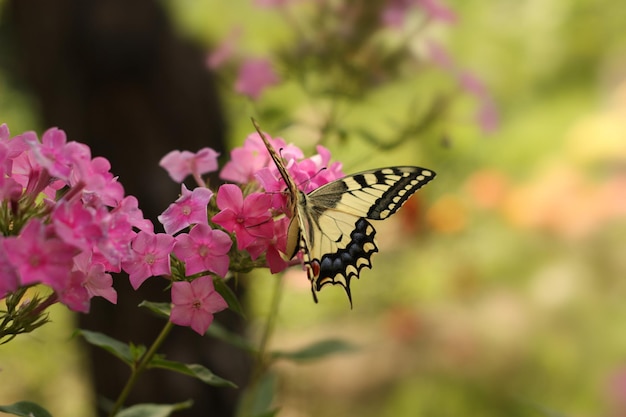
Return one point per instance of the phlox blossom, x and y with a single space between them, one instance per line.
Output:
194 303
273 247
39 258
72 292
190 208
181 164
151 257
249 218
95 280
9 280
51 153
247 160
204 249
255 75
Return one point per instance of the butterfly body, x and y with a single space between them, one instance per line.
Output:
330 226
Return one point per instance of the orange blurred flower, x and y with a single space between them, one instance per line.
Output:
447 215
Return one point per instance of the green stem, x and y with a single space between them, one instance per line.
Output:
141 366
261 357
271 322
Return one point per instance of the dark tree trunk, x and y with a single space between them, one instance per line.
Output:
113 74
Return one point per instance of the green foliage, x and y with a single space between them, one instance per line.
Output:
315 351
121 350
25 409
227 293
22 315
193 370
153 410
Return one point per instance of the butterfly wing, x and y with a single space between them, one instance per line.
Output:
336 238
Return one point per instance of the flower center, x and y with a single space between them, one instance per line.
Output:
150 259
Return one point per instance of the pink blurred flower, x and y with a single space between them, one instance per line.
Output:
394 12
50 153
129 207
96 176
247 160
270 3
437 10
204 249
255 75
181 164
76 224
39 258
95 280
194 303
9 279
151 257
248 218
487 114
72 292
190 208
225 50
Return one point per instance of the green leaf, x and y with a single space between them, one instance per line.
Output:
193 370
269 413
257 398
153 410
316 350
25 409
228 294
113 346
218 331
159 309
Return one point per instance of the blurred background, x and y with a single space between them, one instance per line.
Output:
499 288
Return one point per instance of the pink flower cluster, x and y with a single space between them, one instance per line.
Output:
64 218
250 215
66 223
253 212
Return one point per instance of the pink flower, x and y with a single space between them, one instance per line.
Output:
194 303
95 280
487 114
255 75
395 11
225 50
76 224
204 249
437 10
249 219
129 207
440 55
271 3
96 176
273 247
9 280
181 164
51 154
190 208
38 257
246 160
151 257
72 292
114 247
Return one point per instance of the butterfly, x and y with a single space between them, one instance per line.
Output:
330 226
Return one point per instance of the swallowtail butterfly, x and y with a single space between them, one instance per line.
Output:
330 225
